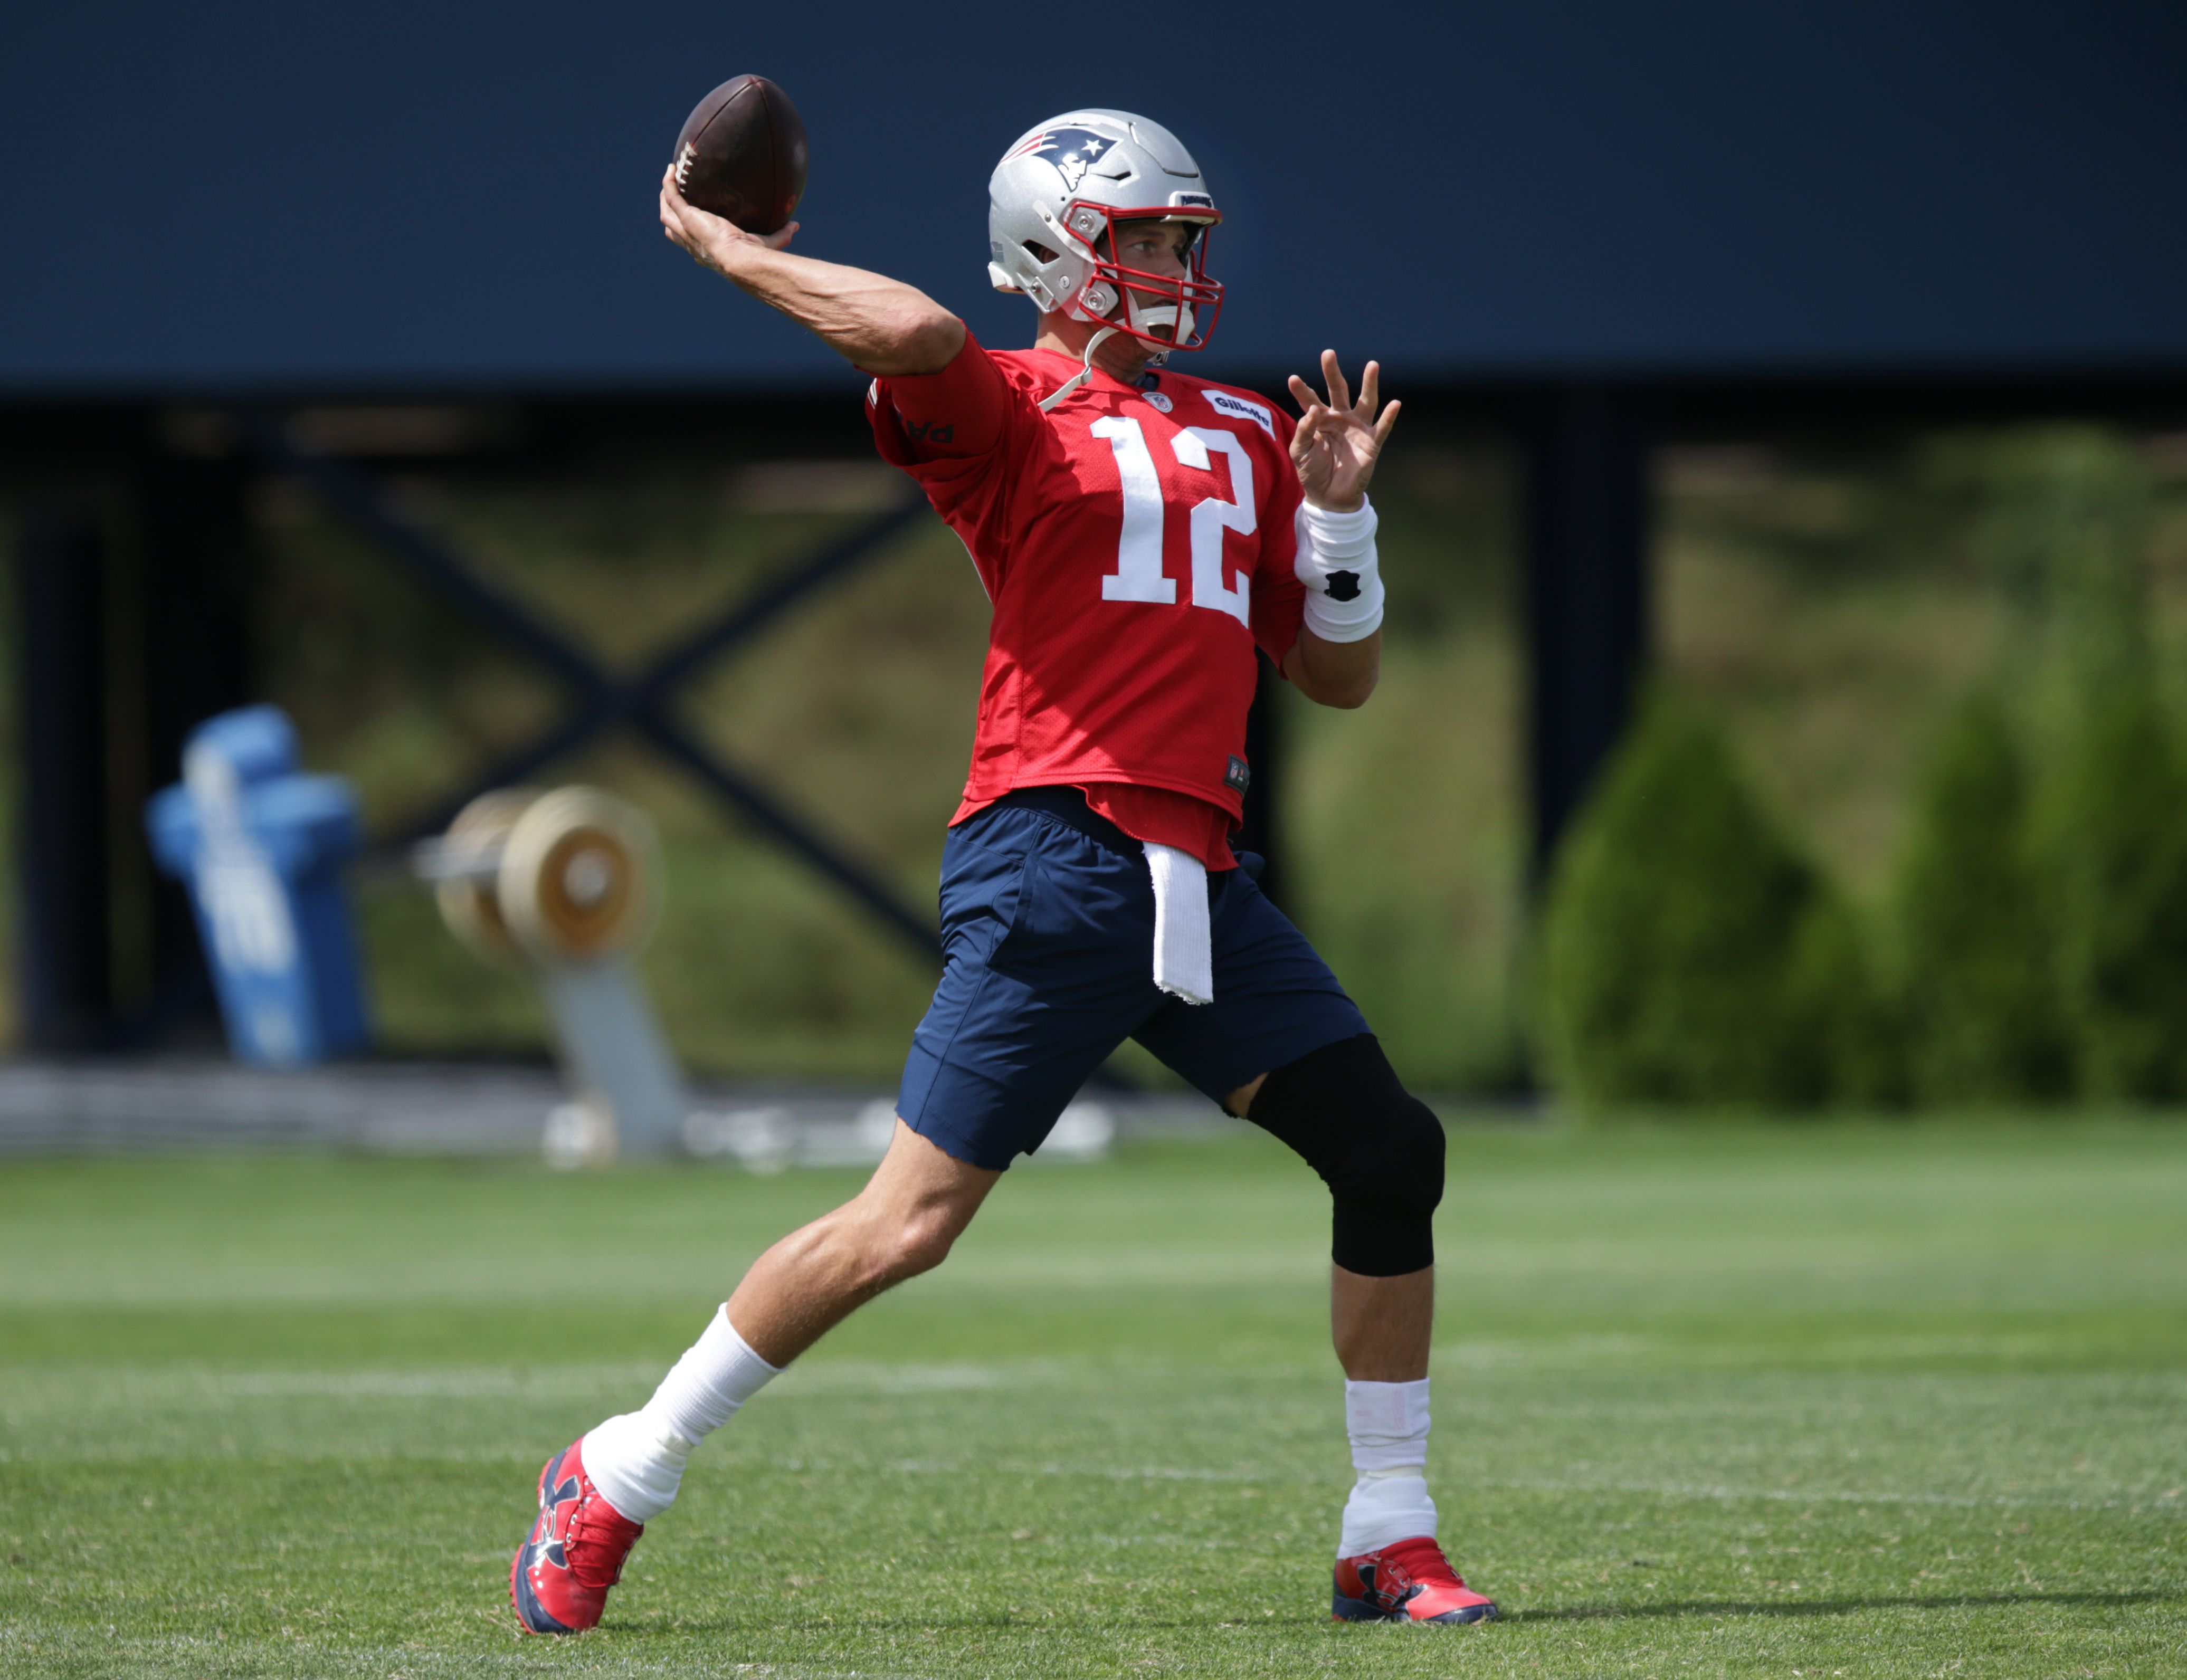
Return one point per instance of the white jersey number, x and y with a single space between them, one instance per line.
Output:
1138 575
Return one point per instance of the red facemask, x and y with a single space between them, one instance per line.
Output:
1170 311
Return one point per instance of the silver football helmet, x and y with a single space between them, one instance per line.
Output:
1052 203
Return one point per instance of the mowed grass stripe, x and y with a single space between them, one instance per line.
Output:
1872 1400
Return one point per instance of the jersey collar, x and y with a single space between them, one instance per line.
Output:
1103 380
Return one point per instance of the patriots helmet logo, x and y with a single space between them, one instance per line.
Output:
1073 151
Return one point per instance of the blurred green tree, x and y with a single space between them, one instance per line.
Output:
2067 526
2115 829
1691 954
1844 1037
1975 919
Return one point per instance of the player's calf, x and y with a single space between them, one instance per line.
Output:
595 1494
1379 1149
903 1222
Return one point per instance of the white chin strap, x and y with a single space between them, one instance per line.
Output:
1084 374
1177 316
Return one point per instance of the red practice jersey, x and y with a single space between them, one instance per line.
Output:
1137 541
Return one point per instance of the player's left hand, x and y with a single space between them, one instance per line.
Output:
1337 441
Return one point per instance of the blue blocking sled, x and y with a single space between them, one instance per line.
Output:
261 846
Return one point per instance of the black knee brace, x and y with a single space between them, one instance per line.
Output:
1379 1150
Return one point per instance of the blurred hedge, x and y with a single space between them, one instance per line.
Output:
2118 842
2033 947
1981 992
1692 955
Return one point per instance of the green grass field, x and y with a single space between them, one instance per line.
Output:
1843 1401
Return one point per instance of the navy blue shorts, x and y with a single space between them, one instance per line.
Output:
1047 918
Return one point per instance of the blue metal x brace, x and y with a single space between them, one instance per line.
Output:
641 703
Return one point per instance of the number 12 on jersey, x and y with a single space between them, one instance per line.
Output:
1139 576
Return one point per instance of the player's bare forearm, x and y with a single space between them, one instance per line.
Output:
880 325
1341 674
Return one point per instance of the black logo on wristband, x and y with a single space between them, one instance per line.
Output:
1343 585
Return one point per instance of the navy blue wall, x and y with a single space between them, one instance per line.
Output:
457 194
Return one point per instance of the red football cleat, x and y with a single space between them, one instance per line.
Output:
559 1578
1410 1581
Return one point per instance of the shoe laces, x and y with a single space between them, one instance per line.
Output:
597 1542
1412 1563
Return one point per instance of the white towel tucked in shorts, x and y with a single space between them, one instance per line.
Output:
1184 961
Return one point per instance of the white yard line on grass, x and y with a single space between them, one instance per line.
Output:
1668 1490
504 1382
1685 1490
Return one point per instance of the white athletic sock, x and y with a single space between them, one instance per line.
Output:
1388 1423
637 1459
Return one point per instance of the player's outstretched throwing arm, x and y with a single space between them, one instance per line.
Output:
880 325
1338 656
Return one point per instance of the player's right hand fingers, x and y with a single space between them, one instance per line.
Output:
781 236
1332 376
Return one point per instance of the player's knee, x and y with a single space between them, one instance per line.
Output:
1399 1161
919 1242
1378 1147
1384 1223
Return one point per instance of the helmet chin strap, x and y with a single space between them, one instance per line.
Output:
1084 374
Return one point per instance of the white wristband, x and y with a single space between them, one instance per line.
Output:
1337 563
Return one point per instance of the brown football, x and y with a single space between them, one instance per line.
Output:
742 154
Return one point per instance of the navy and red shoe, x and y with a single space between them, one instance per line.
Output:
1408 1581
559 1578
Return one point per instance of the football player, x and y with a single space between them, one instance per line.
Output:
1139 532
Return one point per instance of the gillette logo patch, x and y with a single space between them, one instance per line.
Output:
1238 408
